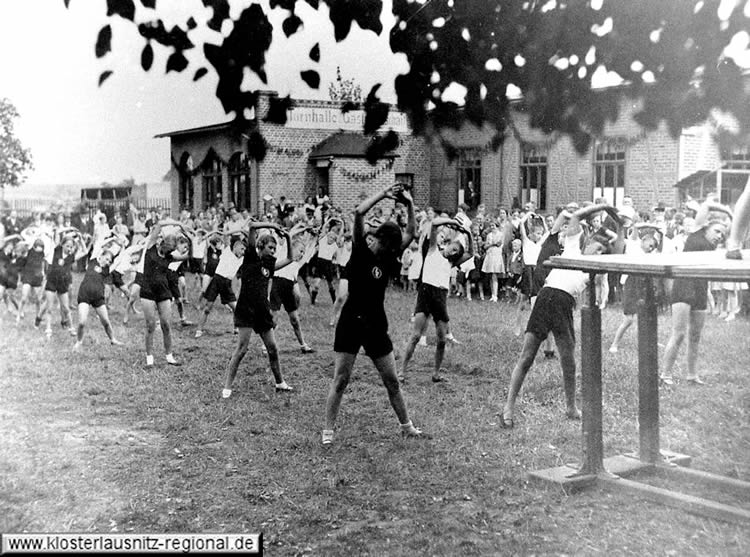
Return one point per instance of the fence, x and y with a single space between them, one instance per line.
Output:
27 207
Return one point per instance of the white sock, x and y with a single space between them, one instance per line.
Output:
170 358
149 359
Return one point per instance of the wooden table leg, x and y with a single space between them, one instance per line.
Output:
648 375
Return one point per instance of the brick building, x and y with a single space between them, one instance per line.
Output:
322 148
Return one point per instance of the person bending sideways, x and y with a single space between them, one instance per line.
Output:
363 322
553 312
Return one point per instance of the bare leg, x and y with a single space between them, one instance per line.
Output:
342 372
269 341
149 313
695 328
566 347
386 366
740 224
420 322
621 330
341 296
103 314
243 339
441 328
530 347
165 320
83 316
680 320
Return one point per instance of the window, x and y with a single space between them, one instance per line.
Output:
534 176
736 158
609 170
211 180
405 178
239 182
187 186
470 177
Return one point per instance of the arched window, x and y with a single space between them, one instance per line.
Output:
239 181
187 185
211 180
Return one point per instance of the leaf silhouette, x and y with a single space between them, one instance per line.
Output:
103 41
147 57
200 72
277 110
311 77
315 53
103 77
256 146
376 112
149 4
176 62
291 25
124 8
221 12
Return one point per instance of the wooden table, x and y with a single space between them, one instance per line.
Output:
703 265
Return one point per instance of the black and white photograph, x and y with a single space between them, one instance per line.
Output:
375 277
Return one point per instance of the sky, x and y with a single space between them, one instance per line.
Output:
81 133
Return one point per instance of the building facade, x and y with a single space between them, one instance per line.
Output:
322 149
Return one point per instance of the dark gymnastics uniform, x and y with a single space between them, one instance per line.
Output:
5 264
212 260
550 247
10 267
60 274
155 271
32 272
363 322
91 290
693 292
633 290
253 309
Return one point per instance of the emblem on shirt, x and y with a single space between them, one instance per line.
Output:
377 273
62 262
265 272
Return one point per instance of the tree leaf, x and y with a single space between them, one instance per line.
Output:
380 146
191 24
277 110
313 3
365 12
176 62
256 146
149 4
221 12
103 77
124 8
315 53
103 41
376 112
285 4
311 77
66 2
291 25
147 57
200 72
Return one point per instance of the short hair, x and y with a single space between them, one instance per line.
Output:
234 240
456 257
389 234
265 240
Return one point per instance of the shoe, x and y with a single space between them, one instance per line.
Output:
48 332
422 341
115 342
37 322
667 380
172 361
149 360
198 333
439 379
327 436
186 323
306 349
613 349
401 378
72 331
226 393
408 430
452 339
730 317
695 381
283 388
236 331
77 346
264 350
493 299
506 422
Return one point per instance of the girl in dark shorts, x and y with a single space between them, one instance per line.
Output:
690 296
641 240
156 296
9 270
91 295
60 277
32 277
363 322
253 311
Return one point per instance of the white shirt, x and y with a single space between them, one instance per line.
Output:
436 270
229 264
572 282
326 250
289 272
530 251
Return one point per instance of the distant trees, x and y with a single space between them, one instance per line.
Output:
671 53
15 161
344 89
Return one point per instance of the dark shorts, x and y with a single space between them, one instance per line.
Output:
173 279
433 301
693 292
32 280
527 281
117 280
552 312
156 292
195 265
220 286
138 279
282 294
354 332
58 283
258 318
343 275
90 295
325 269
9 281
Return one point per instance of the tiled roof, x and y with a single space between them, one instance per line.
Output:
344 144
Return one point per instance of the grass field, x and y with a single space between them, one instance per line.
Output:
92 441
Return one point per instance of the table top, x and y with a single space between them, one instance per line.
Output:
711 265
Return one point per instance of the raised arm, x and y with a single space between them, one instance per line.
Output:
391 192
701 217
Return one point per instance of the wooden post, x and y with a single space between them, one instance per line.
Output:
591 384
648 375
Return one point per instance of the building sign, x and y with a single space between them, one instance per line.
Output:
333 119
